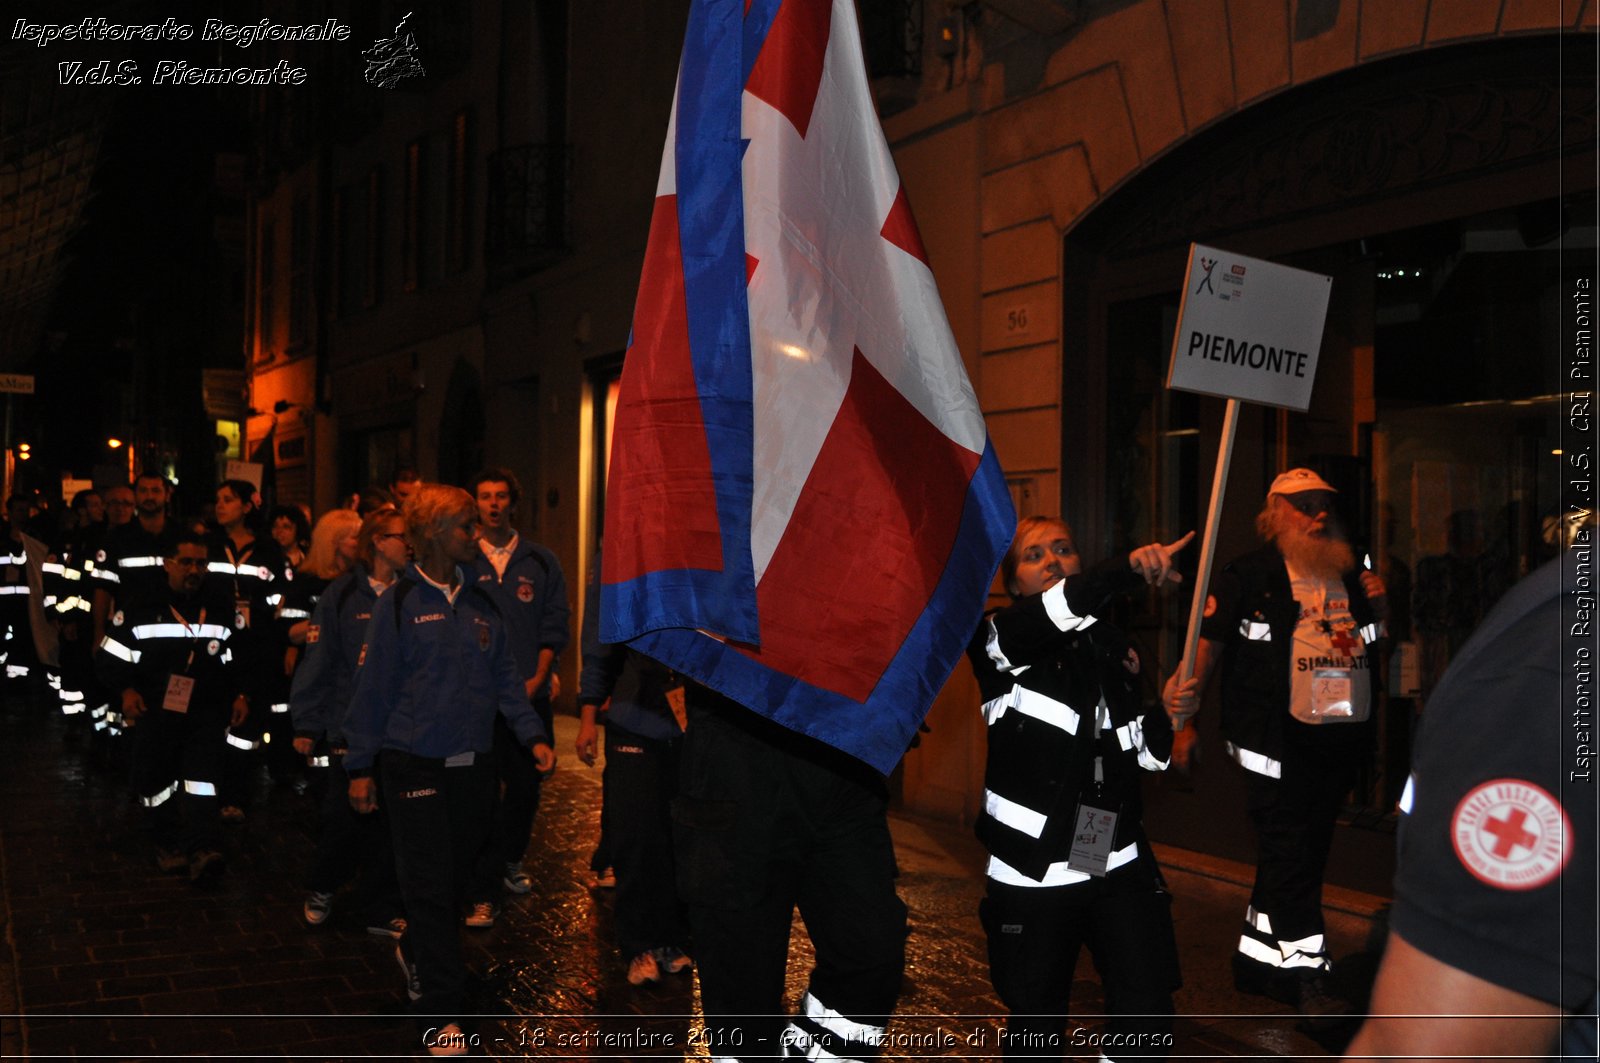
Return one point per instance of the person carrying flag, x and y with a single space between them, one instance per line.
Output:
803 513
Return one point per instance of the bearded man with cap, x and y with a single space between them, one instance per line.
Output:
1291 625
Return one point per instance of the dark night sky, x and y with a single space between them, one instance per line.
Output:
135 315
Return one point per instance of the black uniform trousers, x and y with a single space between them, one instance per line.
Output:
640 781
518 785
1294 818
437 818
177 761
1035 935
350 845
766 821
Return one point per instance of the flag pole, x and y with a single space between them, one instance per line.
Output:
1208 545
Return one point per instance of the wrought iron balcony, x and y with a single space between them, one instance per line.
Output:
527 216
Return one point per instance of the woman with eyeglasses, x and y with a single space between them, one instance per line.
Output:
347 843
291 531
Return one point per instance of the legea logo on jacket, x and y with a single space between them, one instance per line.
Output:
427 618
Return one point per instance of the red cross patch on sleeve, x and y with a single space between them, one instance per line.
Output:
1511 834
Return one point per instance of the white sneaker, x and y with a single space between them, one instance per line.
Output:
516 880
643 968
413 983
318 907
393 928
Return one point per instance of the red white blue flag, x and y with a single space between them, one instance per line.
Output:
804 509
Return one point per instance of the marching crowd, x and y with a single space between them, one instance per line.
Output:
407 645
201 647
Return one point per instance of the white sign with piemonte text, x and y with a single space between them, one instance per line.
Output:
244 470
1248 329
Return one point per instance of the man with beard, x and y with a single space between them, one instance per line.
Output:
1292 625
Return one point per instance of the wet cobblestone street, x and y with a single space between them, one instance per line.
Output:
104 956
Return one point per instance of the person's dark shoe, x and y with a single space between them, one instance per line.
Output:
672 960
1259 980
205 866
1321 1007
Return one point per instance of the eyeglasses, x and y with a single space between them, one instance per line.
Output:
1310 503
390 535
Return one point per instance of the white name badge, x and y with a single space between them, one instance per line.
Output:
679 706
1093 833
1330 694
180 688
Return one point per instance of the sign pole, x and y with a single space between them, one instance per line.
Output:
10 458
1208 545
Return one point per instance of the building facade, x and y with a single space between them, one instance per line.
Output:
444 274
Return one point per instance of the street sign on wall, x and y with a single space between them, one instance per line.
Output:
1248 329
16 383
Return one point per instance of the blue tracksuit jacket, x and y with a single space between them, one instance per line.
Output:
432 674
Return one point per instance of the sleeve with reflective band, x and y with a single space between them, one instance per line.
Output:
1031 627
1046 685
145 645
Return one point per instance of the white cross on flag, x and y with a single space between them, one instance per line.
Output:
804 509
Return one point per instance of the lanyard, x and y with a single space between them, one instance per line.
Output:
1102 716
190 631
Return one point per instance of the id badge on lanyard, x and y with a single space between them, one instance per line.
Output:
241 603
1094 828
180 687
678 703
1331 694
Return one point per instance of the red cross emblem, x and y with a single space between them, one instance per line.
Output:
1511 834
1345 642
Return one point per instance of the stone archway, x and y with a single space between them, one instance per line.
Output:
1129 90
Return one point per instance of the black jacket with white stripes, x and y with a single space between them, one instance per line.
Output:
197 636
1044 665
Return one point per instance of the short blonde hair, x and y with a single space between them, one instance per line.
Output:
1013 558
321 558
433 507
369 531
